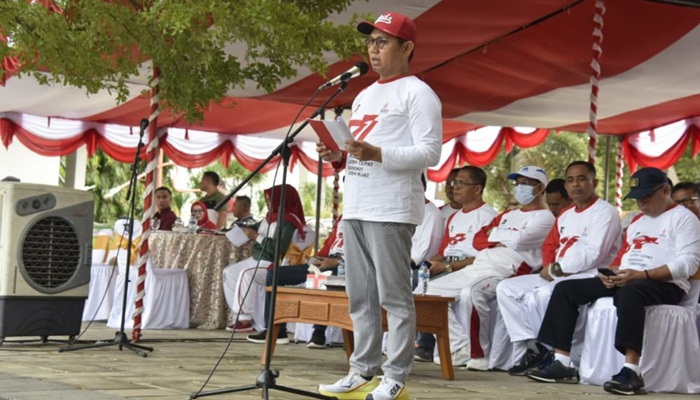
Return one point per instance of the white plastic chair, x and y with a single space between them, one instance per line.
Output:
166 302
101 287
669 362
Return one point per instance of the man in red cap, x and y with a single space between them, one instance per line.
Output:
397 127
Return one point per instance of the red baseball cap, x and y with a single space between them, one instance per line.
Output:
392 23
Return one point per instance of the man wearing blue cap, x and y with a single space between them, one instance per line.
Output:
660 251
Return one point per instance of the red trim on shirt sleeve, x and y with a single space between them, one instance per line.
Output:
323 252
481 239
339 165
523 269
551 245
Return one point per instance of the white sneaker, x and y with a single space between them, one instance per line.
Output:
389 389
459 357
352 386
478 364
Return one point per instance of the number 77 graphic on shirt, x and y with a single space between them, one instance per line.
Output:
361 128
566 244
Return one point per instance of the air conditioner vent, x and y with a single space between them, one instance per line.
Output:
51 252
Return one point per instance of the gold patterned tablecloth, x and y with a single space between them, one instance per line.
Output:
204 257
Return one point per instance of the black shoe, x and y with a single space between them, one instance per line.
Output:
261 336
626 382
423 354
530 360
318 340
555 372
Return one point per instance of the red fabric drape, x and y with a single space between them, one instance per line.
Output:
483 158
440 174
460 155
634 157
524 140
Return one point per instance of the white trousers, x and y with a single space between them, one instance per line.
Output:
244 282
490 267
523 302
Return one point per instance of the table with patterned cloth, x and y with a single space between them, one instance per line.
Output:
204 257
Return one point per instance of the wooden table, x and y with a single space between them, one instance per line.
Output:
330 307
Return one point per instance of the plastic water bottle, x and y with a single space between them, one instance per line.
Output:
192 227
423 277
341 267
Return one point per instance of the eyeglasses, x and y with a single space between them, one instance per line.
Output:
459 182
687 201
379 41
197 211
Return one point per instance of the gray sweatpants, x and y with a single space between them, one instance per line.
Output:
378 275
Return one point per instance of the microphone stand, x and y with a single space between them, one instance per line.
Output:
120 338
267 379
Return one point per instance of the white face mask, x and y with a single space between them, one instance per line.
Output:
523 194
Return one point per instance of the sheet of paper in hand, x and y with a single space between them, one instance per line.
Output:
333 134
236 236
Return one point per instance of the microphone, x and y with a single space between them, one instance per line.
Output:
359 69
144 125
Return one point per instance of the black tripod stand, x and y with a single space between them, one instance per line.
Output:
120 338
267 379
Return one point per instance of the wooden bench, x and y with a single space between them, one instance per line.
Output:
330 307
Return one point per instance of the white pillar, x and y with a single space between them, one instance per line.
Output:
76 167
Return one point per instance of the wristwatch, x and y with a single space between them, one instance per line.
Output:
556 270
448 268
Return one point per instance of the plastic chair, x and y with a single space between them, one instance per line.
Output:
669 362
166 302
101 287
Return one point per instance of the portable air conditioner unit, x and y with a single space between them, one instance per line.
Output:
45 251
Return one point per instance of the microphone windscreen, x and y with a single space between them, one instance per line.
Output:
363 67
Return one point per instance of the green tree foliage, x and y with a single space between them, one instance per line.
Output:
105 175
687 167
98 44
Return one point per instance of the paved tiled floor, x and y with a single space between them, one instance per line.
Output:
183 360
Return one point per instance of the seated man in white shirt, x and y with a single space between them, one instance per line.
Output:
661 250
451 206
456 253
510 245
426 240
583 238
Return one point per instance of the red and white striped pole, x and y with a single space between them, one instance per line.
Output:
148 203
595 77
336 195
619 171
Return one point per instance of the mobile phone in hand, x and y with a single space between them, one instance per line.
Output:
607 271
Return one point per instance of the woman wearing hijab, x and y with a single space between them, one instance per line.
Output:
253 270
199 210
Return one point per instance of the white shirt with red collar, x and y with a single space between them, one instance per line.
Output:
447 211
520 231
671 239
458 238
584 239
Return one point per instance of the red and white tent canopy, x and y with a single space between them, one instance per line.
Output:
492 63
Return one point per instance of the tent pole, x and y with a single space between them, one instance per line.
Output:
606 168
319 193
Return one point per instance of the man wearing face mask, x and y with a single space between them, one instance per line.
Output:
510 245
